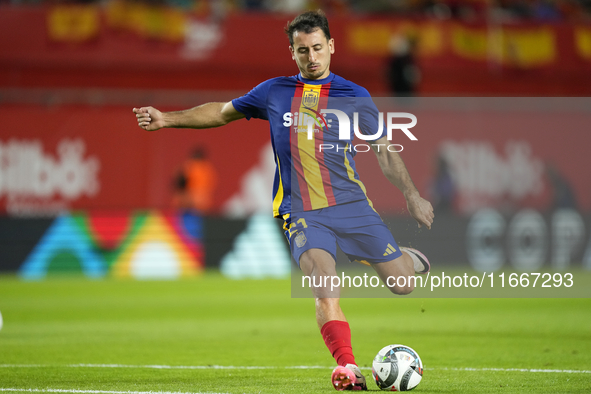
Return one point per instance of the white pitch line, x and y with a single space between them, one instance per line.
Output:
95 391
252 367
163 366
513 370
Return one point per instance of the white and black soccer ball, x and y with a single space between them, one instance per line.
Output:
397 368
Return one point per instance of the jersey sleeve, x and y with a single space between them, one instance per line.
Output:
254 103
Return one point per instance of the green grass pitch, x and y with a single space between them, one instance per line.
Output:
117 336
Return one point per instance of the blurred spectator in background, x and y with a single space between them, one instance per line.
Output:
563 195
403 73
286 6
494 11
545 10
443 188
295 6
195 184
509 10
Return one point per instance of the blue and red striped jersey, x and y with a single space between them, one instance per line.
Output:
308 177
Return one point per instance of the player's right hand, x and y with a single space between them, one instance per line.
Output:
421 210
149 118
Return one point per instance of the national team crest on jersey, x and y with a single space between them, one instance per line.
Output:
300 239
310 98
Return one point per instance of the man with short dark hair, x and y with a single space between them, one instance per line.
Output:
316 192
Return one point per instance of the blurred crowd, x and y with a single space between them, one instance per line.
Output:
505 10
467 10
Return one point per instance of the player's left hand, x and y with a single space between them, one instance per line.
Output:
421 210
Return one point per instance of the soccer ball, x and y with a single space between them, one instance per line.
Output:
397 368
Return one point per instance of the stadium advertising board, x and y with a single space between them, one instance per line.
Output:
506 176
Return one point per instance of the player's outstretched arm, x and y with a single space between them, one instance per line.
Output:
395 171
202 117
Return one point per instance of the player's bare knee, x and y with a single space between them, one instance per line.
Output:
404 290
317 262
401 288
400 284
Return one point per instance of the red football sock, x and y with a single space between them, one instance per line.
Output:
337 336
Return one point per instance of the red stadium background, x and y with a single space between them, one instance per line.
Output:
70 75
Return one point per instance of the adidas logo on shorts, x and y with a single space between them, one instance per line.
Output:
389 250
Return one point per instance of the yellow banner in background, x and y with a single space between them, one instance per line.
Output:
469 43
73 23
519 47
148 21
523 48
375 38
582 37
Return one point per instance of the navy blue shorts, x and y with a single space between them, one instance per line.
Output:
355 227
